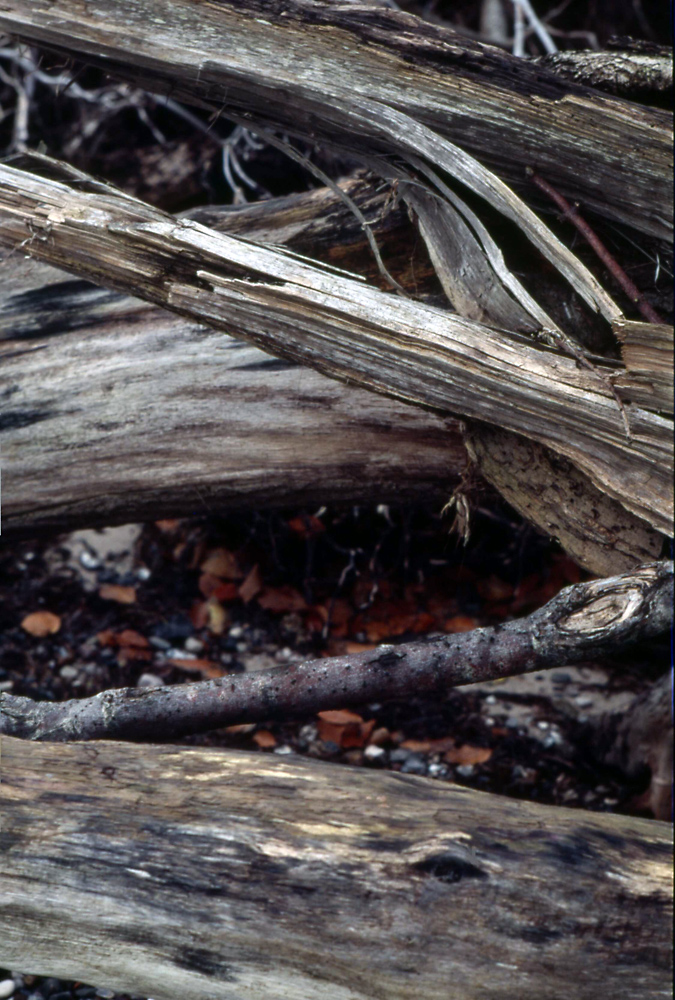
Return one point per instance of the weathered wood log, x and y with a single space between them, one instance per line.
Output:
175 872
339 73
346 329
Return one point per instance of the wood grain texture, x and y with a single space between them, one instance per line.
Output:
344 328
212 875
325 71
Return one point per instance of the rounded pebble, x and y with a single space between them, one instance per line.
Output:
7 988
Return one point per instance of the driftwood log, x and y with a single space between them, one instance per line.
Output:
369 80
347 329
120 411
198 874
267 432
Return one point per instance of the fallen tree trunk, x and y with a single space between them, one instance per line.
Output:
120 411
175 872
346 329
342 74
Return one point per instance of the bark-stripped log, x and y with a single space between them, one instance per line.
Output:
175 872
344 328
325 71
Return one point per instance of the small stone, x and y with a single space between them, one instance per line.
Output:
143 573
283 750
374 754
105 993
282 654
399 756
490 700
193 644
149 681
437 770
414 764
51 986
560 677
512 723
69 672
236 632
158 643
465 770
88 560
7 988
583 700
543 725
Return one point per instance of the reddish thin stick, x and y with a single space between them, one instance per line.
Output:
570 212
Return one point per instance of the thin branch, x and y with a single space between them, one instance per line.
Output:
570 212
583 621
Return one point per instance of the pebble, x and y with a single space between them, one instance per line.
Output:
437 770
193 644
68 673
149 681
414 764
583 700
283 750
88 560
374 754
158 643
143 573
7 988
236 632
560 677
399 756
465 770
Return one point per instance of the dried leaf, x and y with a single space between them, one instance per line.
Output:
251 586
217 617
118 593
129 637
41 624
306 527
223 564
340 717
205 667
265 739
460 623
168 525
467 755
282 599
429 746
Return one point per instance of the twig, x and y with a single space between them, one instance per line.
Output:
570 212
584 621
304 161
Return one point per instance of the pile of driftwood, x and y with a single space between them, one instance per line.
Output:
177 872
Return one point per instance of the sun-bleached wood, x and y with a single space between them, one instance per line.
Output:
194 873
343 73
344 328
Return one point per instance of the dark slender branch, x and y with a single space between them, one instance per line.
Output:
582 622
570 212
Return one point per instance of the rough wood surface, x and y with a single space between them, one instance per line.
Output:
550 492
346 329
212 875
343 74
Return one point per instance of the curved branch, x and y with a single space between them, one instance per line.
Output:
583 621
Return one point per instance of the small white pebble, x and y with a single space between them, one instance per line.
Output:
143 573
68 673
236 632
149 681
374 752
543 725
7 988
283 750
88 560
193 644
